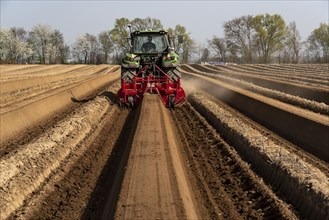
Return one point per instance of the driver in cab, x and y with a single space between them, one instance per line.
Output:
149 45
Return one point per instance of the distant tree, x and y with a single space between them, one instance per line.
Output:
233 53
3 45
86 49
270 34
20 48
120 34
293 41
94 49
64 53
219 47
80 49
106 45
318 43
290 52
40 38
185 49
46 44
205 56
55 47
313 52
238 34
14 47
140 24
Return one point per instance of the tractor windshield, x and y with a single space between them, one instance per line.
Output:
149 43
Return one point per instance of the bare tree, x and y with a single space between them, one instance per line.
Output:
205 56
219 47
80 49
94 49
293 44
106 45
55 47
86 49
64 53
238 33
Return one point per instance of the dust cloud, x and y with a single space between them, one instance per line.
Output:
193 84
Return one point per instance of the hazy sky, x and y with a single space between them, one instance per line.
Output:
203 19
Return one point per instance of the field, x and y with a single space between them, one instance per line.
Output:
250 142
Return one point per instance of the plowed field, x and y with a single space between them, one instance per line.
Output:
251 142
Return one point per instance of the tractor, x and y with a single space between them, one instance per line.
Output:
151 67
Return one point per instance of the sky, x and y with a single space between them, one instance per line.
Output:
202 19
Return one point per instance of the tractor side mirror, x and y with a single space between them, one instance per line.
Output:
180 39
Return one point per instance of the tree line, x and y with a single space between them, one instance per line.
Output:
267 38
248 39
45 45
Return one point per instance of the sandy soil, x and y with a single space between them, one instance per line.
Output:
205 160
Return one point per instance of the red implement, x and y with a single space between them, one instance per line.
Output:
144 81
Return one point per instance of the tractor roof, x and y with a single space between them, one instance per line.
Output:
149 32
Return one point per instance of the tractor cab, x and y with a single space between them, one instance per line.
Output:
149 42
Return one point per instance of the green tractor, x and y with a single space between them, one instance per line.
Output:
151 67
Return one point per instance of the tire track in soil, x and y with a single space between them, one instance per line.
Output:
226 186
